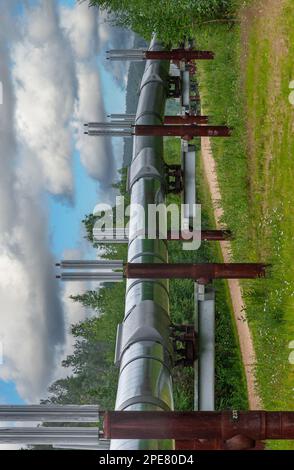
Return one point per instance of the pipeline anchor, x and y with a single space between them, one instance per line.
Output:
230 430
203 273
177 55
186 132
122 119
187 337
120 235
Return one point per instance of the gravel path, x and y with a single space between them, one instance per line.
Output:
245 338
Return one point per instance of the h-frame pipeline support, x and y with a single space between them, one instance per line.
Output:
120 236
185 131
202 273
179 54
168 119
189 425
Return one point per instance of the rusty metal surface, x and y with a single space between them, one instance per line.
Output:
206 235
210 235
186 119
184 131
240 443
236 428
179 54
202 272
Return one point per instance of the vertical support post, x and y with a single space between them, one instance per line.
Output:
196 363
206 341
189 175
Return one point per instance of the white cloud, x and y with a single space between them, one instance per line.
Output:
32 325
51 87
74 312
113 37
31 318
96 153
46 88
81 26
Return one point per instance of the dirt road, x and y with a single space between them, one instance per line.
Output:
245 338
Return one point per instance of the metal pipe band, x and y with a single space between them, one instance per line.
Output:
148 379
154 248
144 399
147 257
145 322
146 349
148 289
146 114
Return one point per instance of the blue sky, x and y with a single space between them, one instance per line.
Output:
66 227
64 218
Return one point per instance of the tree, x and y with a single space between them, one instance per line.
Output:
171 20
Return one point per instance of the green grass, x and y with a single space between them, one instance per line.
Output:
230 379
247 87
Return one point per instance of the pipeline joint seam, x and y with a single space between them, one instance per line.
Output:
150 358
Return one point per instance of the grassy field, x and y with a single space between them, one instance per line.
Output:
247 87
230 379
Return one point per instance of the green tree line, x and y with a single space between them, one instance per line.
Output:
172 20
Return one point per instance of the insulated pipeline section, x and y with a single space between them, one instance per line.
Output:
144 350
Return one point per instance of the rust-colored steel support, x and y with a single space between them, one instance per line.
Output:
210 235
174 87
174 176
237 443
206 235
187 132
187 337
235 428
179 54
203 272
186 119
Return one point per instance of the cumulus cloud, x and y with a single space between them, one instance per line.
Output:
81 25
114 37
7 137
46 89
96 153
32 324
48 67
